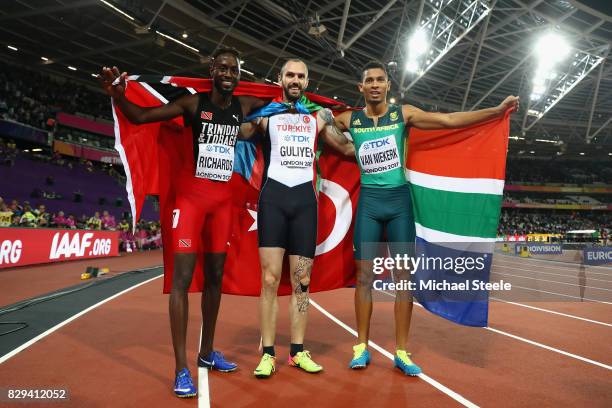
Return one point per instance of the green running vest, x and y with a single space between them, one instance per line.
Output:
380 149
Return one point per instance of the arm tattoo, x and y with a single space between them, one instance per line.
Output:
327 116
336 133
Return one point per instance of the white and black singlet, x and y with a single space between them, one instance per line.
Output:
287 216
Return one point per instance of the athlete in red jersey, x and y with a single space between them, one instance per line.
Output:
203 203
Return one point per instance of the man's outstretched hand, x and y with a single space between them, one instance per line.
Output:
511 102
112 81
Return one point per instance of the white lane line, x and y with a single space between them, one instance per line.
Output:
567 265
552 312
203 388
534 343
70 319
556 350
463 401
495 265
551 281
561 294
555 268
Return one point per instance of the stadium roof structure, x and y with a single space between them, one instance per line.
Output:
484 50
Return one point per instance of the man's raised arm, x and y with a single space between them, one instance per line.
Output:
433 120
114 84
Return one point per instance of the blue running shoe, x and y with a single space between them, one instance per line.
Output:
361 356
183 385
216 361
404 363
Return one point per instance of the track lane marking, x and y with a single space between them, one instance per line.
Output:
70 319
203 385
551 281
552 312
547 273
457 397
534 343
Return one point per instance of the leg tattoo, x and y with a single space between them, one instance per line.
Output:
302 279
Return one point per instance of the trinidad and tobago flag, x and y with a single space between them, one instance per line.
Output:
456 179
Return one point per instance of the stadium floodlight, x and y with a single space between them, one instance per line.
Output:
559 68
550 50
444 24
418 44
412 66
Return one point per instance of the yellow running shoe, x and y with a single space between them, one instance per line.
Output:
404 363
266 366
304 361
361 356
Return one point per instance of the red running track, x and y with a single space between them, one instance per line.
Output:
120 354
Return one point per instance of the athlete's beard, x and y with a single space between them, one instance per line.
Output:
291 98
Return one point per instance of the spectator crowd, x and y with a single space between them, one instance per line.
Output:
16 214
558 170
33 98
519 222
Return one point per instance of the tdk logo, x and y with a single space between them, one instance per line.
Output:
377 143
297 138
218 149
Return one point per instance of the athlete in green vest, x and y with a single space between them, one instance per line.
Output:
379 133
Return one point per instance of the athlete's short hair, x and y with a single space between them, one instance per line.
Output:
223 50
282 71
371 65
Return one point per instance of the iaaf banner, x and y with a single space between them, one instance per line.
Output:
25 246
597 255
540 249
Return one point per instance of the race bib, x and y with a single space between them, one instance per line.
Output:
379 155
296 151
215 161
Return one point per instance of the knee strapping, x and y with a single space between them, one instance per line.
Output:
304 287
